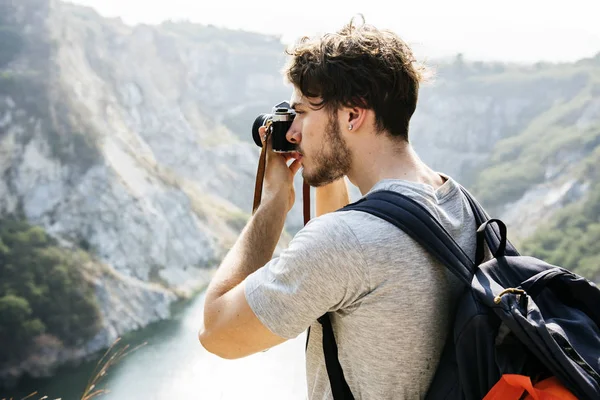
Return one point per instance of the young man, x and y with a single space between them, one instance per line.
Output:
391 303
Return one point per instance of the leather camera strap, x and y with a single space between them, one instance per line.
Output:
306 201
260 177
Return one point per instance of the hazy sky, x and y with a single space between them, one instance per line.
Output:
509 30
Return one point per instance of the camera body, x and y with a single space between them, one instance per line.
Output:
278 122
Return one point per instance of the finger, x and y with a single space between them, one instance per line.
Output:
295 166
264 136
269 139
261 132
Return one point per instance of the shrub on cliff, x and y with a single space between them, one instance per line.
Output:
42 290
572 238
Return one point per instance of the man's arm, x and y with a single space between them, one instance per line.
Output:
231 329
331 197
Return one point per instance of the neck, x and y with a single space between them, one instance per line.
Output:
384 158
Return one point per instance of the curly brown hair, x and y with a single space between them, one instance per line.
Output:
359 66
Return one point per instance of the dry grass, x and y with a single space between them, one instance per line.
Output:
111 357
107 361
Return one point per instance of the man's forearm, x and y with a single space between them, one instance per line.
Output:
253 249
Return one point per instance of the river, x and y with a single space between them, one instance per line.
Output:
173 365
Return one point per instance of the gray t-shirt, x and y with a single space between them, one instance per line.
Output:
392 303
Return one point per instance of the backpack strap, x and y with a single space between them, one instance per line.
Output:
339 387
420 225
493 236
416 221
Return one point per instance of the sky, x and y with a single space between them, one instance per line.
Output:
508 30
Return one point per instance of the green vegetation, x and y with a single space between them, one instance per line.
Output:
43 290
548 118
556 136
520 162
572 238
549 137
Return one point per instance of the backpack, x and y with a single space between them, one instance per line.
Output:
518 316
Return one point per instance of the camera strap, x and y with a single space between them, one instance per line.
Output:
306 201
260 177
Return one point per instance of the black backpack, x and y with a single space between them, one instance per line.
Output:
517 315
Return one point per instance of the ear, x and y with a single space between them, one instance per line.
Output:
354 118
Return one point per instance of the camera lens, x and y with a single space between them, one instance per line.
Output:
261 120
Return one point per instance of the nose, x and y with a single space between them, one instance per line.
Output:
293 134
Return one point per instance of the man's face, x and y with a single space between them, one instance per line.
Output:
325 154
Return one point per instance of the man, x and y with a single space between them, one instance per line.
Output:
391 303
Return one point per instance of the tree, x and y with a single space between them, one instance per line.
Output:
42 290
18 327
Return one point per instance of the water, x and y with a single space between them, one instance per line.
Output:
173 365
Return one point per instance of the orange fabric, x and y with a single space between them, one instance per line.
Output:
512 387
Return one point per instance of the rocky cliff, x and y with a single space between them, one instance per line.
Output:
133 144
516 135
115 139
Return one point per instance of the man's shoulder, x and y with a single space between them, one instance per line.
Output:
330 225
338 231
360 229
342 221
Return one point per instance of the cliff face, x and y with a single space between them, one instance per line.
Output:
517 136
127 151
113 139
133 143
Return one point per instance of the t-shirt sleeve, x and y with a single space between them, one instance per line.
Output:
322 270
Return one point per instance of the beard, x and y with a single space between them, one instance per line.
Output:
332 161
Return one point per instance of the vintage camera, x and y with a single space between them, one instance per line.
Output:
278 122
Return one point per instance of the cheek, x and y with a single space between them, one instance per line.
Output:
311 142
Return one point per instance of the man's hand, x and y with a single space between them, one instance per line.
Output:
278 185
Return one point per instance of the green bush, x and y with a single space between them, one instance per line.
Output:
572 238
18 326
42 290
